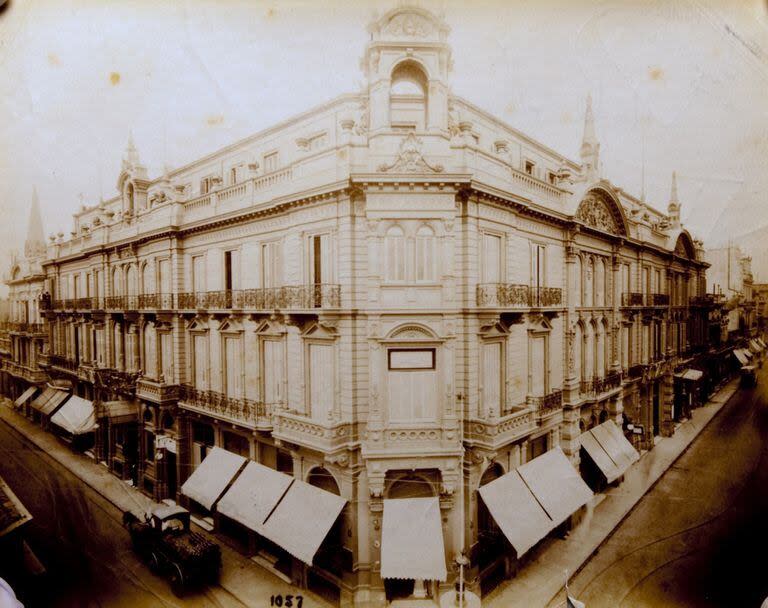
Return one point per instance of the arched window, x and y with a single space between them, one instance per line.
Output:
117 282
131 281
578 348
148 278
411 486
589 284
408 96
129 197
599 350
577 272
607 341
600 283
394 248
425 255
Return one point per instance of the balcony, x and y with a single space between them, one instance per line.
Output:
660 299
247 412
329 436
63 363
632 299
29 374
494 433
293 297
546 405
511 295
706 301
156 391
26 328
601 384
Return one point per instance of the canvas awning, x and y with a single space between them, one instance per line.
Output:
600 457
253 495
25 396
516 511
412 540
76 416
737 353
609 449
120 412
54 402
43 398
761 342
302 519
690 374
211 478
756 346
555 484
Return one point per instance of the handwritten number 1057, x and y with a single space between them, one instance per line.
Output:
287 601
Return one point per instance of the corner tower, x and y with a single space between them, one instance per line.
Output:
406 65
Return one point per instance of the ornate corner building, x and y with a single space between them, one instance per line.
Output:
394 295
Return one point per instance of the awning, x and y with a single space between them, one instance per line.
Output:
600 457
756 346
76 416
609 449
761 342
737 353
555 484
43 397
747 353
54 402
516 511
211 478
412 540
120 412
690 374
25 396
303 518
254 495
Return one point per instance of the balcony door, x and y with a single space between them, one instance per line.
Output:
321 381
491 258
270 265
273 367
538 376
233 367
320 265
198 273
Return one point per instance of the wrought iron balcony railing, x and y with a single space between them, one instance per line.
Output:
660 299
269 298
632 298
511 295
601 384
547 403
232 408
63 362
29 328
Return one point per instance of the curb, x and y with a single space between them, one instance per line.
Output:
649 488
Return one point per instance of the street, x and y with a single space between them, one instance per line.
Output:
80 539
696 538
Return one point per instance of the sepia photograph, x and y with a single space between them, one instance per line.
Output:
383 303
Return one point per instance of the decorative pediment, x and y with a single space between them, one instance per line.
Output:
409 24
320 331
271 327
684 247
197 323
598 210
410 159
538 322
412 332
230 325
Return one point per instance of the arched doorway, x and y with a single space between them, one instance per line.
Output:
491 543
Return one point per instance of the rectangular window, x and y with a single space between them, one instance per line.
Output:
409 359
237 444
270 162
412 395
166 357
198 273
205 185
320 259
150 351
321 380
529 166
164 275
233 366
274 371
271 264
233 176
537 447
492 378
76 286
491 258
425 255
149 446
200 361
551 177
537 266
538 365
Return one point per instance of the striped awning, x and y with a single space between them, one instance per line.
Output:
25 396
43 398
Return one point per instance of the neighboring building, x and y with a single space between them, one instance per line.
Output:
393 295
22 336
730 274
760 294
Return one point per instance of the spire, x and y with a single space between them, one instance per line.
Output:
35 243
131 158
590 148
673 193
673 209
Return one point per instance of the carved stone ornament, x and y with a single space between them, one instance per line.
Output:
570 338
409 25
361 123
595 211
410 159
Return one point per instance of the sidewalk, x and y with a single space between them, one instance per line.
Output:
540 580
250 584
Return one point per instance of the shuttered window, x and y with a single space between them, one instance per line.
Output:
321 380
492 378
491 258
274 371
233 366
412 393
200 348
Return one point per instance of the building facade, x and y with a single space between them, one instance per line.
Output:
391 296
730 276
22 336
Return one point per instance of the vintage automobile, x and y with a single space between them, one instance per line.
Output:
165 542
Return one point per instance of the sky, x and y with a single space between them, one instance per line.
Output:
676 85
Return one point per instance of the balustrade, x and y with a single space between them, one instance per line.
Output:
223 406
510 295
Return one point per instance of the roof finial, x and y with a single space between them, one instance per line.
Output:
673 193
131 157
35 243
